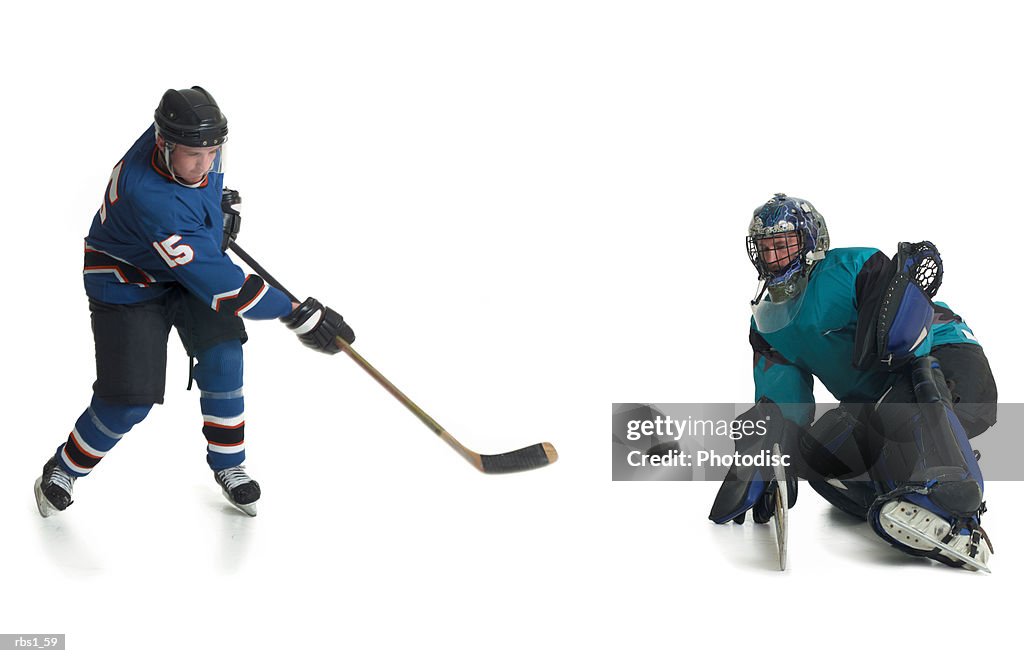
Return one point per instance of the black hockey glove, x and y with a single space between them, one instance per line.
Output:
317 326
232 219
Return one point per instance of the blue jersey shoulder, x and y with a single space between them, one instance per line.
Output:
157 205
152 233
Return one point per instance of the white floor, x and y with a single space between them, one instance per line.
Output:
543 566
527 211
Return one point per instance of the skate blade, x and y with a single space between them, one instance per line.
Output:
921 529
45 508
781 510
247 509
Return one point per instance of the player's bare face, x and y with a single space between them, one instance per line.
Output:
779 251
191 164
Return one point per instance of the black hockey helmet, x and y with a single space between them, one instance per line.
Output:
191 117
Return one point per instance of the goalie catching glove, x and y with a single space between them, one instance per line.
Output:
317 326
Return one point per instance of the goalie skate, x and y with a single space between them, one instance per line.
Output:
781 510
915 527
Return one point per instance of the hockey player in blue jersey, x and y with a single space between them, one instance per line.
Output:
154 259
913 383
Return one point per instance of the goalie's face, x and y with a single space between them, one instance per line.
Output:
777 252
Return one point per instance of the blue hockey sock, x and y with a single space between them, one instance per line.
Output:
96 432
219 376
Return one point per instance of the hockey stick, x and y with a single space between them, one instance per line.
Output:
527 458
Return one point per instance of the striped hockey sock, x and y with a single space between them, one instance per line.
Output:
96 432
219 376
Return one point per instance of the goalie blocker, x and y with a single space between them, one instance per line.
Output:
747 488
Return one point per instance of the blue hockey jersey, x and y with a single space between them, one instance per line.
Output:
151 234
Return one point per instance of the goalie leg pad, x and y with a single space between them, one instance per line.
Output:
931 485
834 460
923 445
834 445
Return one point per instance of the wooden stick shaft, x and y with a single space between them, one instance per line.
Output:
469 455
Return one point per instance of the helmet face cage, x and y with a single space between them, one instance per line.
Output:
775 254
806 239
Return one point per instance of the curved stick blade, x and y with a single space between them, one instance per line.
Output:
527 458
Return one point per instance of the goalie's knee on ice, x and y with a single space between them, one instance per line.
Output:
833 446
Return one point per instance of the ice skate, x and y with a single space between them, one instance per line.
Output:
53 489
239 488
935 537
781 510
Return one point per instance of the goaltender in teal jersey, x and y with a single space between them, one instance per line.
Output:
913 382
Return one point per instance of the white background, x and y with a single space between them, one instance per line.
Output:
527 211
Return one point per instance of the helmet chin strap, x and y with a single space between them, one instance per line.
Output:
763 285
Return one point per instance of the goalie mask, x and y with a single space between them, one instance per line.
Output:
785 238
190 120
